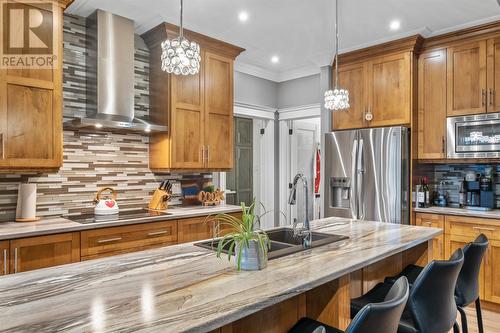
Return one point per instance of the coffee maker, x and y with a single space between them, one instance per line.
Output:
480 194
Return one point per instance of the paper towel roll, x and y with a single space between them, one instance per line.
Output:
26 202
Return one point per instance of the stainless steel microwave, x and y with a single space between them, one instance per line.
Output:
476 136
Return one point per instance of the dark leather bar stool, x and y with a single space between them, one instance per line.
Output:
467 288
380 317
431 305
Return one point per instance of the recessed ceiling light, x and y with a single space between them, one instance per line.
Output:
243 16
275 59
395 25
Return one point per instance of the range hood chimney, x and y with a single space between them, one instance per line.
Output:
110 76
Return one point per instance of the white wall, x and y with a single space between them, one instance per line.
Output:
253 90
299 92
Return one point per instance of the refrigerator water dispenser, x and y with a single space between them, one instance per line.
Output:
340 188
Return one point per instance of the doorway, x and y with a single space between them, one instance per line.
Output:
239 181
300 142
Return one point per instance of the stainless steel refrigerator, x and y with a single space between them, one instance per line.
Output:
367 174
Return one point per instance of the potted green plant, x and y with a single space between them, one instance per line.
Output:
243 238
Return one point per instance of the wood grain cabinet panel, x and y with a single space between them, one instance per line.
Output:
433 221
31 108
492 272
27 254
466 79
195 229
111 241
432 105
4 258
493 75
389 90
353 78
198 109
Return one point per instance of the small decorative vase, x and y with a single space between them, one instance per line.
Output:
253 258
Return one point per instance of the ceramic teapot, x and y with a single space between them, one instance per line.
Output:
105 204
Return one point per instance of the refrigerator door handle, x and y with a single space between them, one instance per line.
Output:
354 195
360 174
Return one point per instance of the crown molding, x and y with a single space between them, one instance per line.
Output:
255 71
254 111
300 112
298 73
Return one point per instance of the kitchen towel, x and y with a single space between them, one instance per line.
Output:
26 202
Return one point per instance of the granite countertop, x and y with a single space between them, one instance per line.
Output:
492 214
184 288
12 230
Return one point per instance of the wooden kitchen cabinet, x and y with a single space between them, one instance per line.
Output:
4 258
432 105
198 110
381 81
31 253
116 240
492 272
31 107
352 77
434 221
466 79
493 74
390 90
194 229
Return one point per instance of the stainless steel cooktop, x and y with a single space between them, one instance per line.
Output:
138 214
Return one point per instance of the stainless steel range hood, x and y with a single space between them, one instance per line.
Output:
110 75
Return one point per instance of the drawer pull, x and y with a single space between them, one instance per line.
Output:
100 241
4 261
428 223
156 233
483 228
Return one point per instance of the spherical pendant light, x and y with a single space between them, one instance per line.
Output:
180 56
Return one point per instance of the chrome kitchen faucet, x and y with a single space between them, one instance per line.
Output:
303 232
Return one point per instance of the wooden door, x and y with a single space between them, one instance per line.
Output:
389 90
187 121
453 243
27 254
4 257
30 109
466 79
432 105
195 229
218 111
492 272
434 221
353 78
493 74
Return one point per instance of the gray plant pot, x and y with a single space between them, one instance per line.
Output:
253 258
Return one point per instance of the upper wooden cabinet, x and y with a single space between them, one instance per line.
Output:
380 81
198 110
31 102
467 89
493 74
432 105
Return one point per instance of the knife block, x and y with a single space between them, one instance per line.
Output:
159 201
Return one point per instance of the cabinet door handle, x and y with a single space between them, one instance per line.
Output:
109 240
156 233
428 223
3 146
208 155
492 97
4 261
443 144
483 96
15 260
484 229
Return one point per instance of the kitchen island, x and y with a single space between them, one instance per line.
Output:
185 288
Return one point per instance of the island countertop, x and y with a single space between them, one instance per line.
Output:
185 288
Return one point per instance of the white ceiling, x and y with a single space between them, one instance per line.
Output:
299 32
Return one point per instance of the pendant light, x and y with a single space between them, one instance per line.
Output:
338 98
179 56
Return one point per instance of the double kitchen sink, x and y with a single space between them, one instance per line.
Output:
283 242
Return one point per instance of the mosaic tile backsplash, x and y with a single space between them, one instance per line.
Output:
452 175
92 159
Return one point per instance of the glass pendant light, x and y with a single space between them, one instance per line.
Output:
180 56
338 98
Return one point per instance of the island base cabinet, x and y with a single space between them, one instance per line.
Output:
4 258
32 253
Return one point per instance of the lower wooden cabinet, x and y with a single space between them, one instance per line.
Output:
492 272
4 258
116 240
27 254
195 229
434 221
